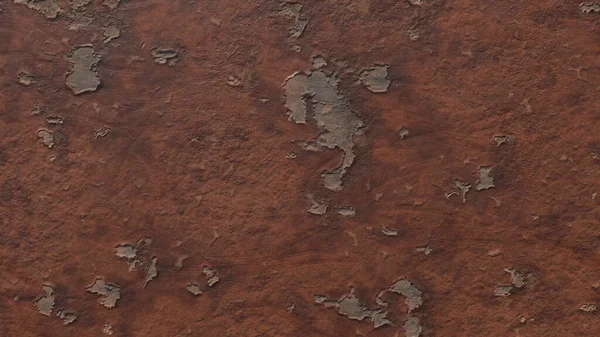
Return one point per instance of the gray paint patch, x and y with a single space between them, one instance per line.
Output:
45 304
83 76
588 7
49 8
588 307
375 78
347 211
79 3
425 249
412 295
152 272
211 276
503 291
26 79
47 137
110 293
403 133
107 329
55 120
67 316
110 33
499 140
517 278
194 288
412 327
318 62
165 56
460 188
389 231
317 208
101 132
485 181
338 124
351 307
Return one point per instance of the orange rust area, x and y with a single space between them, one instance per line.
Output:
474 181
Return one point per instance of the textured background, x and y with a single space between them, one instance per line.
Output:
199 161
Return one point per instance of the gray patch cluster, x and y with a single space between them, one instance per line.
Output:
165 56
110 292
67 316
49 8
375 78
211 276
588 7
350 306
83 76
338 124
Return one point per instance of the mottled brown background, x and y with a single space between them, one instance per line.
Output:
189 155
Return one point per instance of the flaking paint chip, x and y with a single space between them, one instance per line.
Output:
49 8
503 290
152 272
110 33
194 288
45 304
67 316
110 293
412 327
317 208
412 295
83 76
47 137
351 307
588 7
485 181
389 231
26 79
588 307
211 276
376 78
165 56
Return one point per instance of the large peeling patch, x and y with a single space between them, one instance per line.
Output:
318 93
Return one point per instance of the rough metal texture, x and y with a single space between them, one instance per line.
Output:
200 166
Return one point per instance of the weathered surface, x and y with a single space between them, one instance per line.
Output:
83 76
217 173
109 292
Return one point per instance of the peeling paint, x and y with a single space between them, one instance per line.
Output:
45 304
152 272
403 133
460 188
67 316
83 76
317 208
485 181
110 33
338 124
503 290
49 8
211 276
412 327
347 211
194 288
107 329
26 79
588 7
412 295
47 137
110 293
389 231
376 78
101 133
500 139
351 307
165 56
588 307
517 278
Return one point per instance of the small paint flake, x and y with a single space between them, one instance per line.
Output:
389 231
376 78
211 276
588 307
152 271
485 181
110 293
588 7
412 295
45 304
503 291
67 316
412 327
107 329
26 79
194 288
47 137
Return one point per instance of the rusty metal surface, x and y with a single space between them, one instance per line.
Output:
311 168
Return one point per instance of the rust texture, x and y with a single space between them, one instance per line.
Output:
373 168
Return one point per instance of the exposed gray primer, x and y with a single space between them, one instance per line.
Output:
110 33
485 181
165 56
107 329
26 79
83 76
55 120
101 132
45 304
500 139
152 271
588 7
47 137
389 231
338 124
347 211
110 293
375 78
194 288
129 252
350 306
293 10
503 290
516 278
211 276
79 3
403 133
49 8
412 327
460 188
412 295
588 307
67 316
317 208
112 4
318 62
